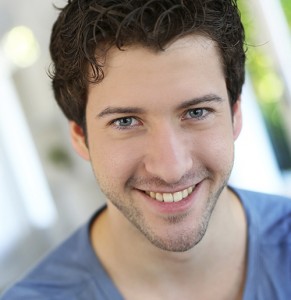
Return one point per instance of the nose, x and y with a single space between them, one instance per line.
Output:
168 154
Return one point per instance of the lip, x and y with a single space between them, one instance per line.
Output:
171 208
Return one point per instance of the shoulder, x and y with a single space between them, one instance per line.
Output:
261 202
58 275
259 198
269 245
71 271
268 215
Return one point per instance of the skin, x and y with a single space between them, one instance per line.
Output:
162 122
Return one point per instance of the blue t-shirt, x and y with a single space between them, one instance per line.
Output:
73 271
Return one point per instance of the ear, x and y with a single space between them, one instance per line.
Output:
236 118
79 140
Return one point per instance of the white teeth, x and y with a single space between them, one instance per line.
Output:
171 197
168 197
185 193
158 197
178 196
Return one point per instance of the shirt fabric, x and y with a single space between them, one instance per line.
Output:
74 272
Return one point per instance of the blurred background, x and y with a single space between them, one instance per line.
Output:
46 191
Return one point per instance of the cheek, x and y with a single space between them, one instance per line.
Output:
216 149
113 160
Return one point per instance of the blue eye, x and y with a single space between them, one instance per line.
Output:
197 113
125 123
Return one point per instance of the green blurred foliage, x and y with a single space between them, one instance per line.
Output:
267 84
286 4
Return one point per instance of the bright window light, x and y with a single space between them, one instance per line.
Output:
255 165
21 47
23 157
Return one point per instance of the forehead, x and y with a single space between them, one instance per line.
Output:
190 64
201 45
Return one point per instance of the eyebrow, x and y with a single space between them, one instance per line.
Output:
136 110
196 101
120 110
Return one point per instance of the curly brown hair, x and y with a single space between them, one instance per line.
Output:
87 27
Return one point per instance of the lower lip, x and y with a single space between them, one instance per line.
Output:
170 208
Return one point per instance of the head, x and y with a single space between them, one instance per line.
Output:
151 89
86 30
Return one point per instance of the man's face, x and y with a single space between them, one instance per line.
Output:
160 138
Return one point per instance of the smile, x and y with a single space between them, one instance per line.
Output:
171 197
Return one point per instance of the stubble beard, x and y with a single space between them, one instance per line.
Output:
186 239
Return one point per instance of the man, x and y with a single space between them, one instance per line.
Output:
152 92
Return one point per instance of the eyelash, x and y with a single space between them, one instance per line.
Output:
205 112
